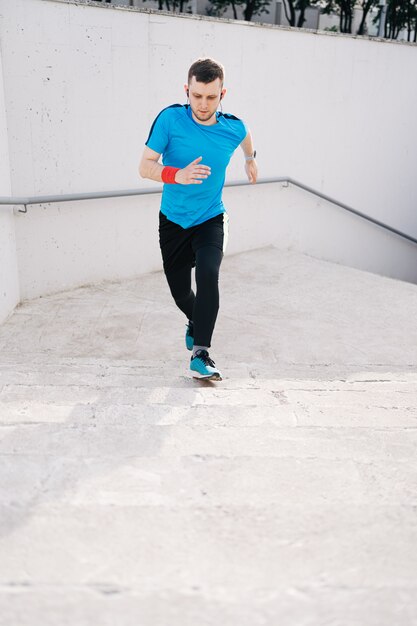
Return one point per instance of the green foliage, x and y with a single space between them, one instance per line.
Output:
400 14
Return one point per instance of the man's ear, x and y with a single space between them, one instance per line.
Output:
222 93
186 90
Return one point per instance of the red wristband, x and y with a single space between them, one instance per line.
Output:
168 174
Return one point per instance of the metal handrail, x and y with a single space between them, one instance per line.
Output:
153 190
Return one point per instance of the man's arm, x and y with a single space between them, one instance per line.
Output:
149 166
193 174
251 167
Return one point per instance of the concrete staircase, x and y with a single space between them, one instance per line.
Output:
133 495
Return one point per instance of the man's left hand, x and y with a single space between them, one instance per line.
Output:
251 170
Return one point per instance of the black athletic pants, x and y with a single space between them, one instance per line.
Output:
201 247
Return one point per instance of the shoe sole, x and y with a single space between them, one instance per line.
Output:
207 377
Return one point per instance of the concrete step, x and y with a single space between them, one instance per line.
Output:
286 494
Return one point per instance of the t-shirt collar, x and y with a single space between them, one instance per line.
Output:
190 115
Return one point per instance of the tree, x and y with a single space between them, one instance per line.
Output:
366 6
400 14
411 20
250 7
175 6
290 11
395 19
345 10
254 7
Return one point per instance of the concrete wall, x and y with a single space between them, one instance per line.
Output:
9 285
293 219
84 82
86 242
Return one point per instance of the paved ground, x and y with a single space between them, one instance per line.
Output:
132 495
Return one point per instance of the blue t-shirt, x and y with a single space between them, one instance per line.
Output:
180 140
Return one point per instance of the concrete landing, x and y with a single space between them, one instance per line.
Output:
286 495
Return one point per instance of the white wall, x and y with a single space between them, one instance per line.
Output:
292 219
85 242
9 286
83 83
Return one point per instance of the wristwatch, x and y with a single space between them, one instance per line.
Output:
251 158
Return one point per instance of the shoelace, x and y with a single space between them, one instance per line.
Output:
204 356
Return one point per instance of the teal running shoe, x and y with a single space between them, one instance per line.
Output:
203 367
189 336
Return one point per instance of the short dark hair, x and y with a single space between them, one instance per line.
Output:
206 70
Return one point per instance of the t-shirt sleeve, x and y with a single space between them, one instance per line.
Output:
159 134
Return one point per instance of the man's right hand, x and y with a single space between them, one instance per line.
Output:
193 174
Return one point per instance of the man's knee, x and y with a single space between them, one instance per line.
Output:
179 291
183 297
207 274
179 283
208 262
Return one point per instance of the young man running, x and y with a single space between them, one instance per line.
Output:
196 142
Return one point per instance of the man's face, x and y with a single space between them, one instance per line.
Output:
204 99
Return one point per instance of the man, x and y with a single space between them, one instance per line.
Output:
196 142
